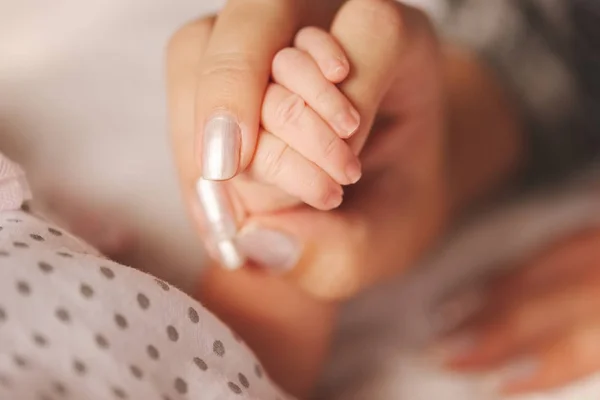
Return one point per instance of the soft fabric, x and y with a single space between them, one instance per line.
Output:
74 325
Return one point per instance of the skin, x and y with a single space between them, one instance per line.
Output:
545 312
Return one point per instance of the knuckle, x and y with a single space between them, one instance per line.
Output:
381 18
331 146
192 35
285 60
290 110
307 32
272 161
231 68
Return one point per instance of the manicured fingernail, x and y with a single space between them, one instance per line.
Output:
353 171
270 249
221 146
512 375
457 309
220 221
346 123
229 254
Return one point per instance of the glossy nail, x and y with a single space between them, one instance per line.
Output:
221 146
270 249
220 221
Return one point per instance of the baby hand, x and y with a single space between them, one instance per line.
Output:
312 117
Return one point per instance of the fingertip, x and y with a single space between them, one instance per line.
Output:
336 70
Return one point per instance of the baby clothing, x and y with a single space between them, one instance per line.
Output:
75 325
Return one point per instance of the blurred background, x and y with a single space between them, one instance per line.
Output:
83 109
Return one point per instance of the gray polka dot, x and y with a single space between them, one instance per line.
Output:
121 321
40 340
55 232
86 290
181 386
107 272
20 361
60 388
15 220
234 388
101 341
45 267
136 371
243 380
64 254
165 397
152 352
162 284
21 245
193 315
219 348
23 288
79 367
4 253
258 371
3 315
200 363
172 333
119 393
63 315
143 301
36 237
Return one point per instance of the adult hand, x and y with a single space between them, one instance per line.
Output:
541 324
400 205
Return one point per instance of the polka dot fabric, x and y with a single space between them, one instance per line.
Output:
74 325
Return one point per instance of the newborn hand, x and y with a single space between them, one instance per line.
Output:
312 117
541 324
305 119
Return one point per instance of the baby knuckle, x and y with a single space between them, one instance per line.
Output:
290 110
331 146
273 161
285 60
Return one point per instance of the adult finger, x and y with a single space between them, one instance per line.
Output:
232 77
520 324
375 35
554 363
216 219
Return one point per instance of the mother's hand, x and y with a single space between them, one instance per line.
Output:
400 204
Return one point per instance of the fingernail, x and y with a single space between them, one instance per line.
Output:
334 198
353 171
229 254
220 222
222 142
457 309
346 123
512 375
270 249
338 68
